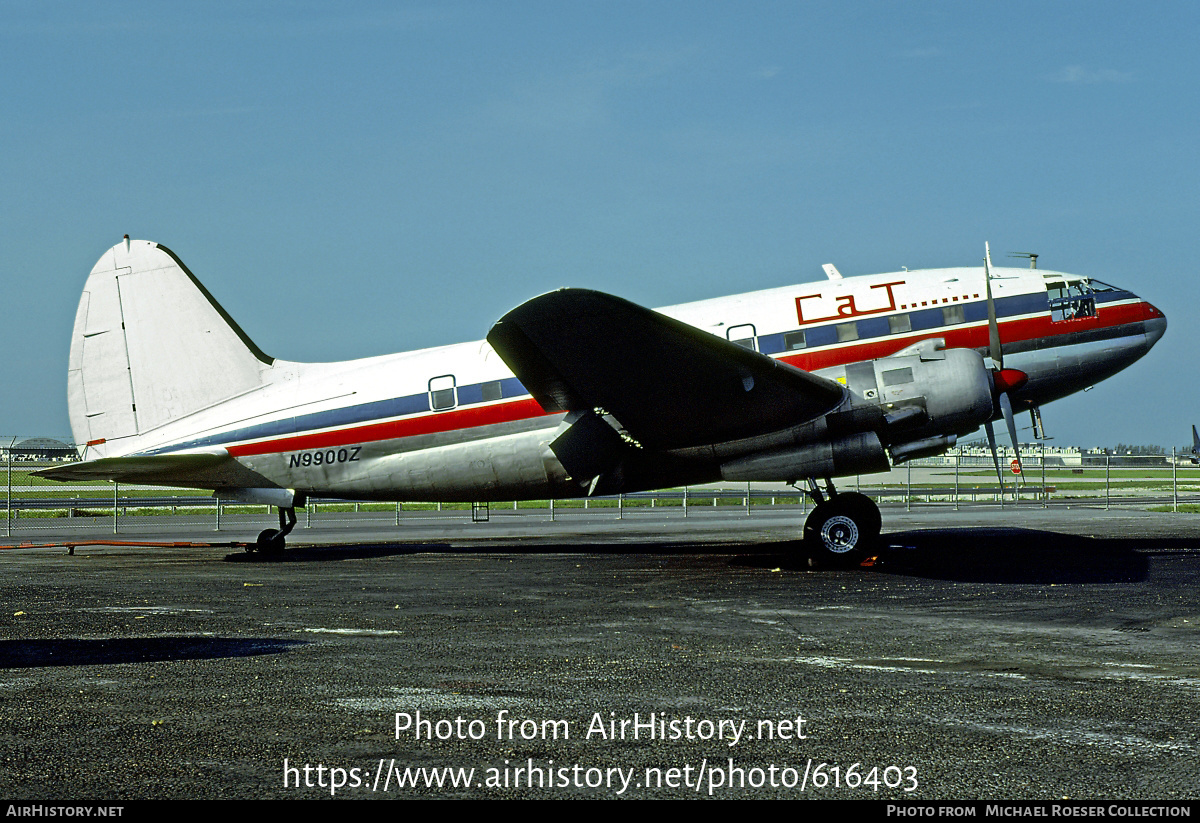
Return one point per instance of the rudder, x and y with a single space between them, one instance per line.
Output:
150 345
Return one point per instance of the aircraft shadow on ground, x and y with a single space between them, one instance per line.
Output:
33 654
1015 555
338 551
1010 555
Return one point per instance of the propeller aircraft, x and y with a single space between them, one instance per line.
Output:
578 392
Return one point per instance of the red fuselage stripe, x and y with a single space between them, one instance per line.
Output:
971 337
467 418
967 337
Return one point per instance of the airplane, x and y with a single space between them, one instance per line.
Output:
1195 445
577 392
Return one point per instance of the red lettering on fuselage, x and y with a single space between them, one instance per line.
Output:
845 305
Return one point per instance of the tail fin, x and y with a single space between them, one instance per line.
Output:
150 345
1195 441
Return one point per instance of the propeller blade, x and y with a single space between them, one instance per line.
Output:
994 349
1006 410
991 434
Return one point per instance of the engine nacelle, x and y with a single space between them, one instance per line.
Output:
913 405
925 447
859 453
932 393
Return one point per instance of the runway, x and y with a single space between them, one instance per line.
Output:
989 654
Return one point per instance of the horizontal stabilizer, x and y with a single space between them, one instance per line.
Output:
200 471
668 384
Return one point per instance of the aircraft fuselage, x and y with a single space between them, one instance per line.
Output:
453 423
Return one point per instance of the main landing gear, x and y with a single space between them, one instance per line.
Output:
842 528
271 541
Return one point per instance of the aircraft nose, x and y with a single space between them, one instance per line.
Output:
1156 325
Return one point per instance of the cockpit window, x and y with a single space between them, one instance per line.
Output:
1072 300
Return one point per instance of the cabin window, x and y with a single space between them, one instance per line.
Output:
794 340
899 323
952 315
847 332
744 335
492 390
443 394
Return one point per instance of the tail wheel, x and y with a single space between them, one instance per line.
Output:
270 541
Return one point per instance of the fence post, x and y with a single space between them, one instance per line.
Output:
685 501
116 488
957 458
1107 490
8 505
908 489
1174 482
1045 494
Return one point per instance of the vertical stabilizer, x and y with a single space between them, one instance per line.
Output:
150 346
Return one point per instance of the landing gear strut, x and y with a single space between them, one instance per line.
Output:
271 541
842 528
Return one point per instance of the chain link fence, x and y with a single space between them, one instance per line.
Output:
33 504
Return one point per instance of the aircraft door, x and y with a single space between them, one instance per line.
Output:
744 335
443 393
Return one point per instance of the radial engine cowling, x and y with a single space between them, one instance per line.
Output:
919 402
929 394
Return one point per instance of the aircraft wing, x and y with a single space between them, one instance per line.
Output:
203 471
668 384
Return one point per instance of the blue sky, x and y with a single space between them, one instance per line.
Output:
352 179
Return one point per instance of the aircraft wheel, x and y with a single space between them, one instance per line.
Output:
270 541
842 529
863 510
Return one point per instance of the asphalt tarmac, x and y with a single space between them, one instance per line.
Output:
988 654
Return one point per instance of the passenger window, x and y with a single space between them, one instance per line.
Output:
952 315
794 340
899 323
492 391
443 394
847 332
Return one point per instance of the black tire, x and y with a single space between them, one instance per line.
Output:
270 541
864 512
840 531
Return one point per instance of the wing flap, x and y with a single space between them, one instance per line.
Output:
670 385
